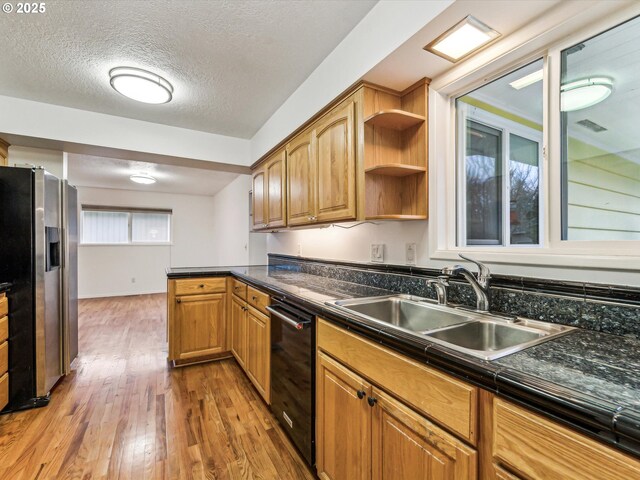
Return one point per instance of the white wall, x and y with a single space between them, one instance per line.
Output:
51 160
52 122
232 243
387 26
109 270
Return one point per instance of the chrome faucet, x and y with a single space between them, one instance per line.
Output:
480 285
440 285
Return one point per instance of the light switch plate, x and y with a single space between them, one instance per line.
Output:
411 254
377 252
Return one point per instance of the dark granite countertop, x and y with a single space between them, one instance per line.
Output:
4 286
590 380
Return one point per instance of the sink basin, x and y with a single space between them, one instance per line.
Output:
480 334
405 312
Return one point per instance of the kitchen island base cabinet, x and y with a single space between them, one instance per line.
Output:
197 319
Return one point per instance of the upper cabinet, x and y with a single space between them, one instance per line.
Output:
334 146
301 180
269 187
4 153
365 157
395 153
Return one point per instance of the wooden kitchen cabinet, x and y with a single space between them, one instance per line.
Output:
251 335
528 446
4 153
334 145
269 192
258 360
239 329
301 180
410 434
343 448
197 319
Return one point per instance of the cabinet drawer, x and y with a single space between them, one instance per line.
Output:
4 390
4 329
239 288
258 299
196 286
537 448
4 306
448 401
4 357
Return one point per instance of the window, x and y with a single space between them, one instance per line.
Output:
499 161
121 226
600 142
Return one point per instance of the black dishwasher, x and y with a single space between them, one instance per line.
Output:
293 342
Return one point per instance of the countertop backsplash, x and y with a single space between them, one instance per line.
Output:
601 308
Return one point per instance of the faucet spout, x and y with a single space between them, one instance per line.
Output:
480 285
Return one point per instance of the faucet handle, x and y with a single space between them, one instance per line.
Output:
484 273
442 280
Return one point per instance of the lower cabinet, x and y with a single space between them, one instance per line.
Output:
239 329
258 361
251 338
364 433
201 325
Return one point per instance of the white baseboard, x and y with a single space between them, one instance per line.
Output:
118 294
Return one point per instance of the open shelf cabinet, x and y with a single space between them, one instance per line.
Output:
395 152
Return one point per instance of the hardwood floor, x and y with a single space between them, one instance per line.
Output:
124 414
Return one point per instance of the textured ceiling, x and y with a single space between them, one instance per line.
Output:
102 172
232 63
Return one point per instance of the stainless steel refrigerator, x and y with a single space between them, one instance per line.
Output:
38 255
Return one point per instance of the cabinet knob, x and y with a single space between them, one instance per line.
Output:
372 401
178 300
254 298
201 285
360 394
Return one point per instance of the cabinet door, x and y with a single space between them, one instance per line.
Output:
259 199
343 422
276 203
407 445
258 362
239 330
335 156
200 325
301 177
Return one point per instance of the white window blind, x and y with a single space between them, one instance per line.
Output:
118 225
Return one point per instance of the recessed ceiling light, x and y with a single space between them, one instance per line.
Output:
142 178
584 93
461 40
527 80
140 85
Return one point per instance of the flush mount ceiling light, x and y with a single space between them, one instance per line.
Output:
584 93
461 40
140 85
527 80
142 178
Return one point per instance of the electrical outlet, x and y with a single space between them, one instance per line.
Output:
299 249
410 250
133 279
377 252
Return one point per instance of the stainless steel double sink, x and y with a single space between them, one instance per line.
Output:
476 333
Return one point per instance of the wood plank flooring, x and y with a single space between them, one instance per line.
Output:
125 414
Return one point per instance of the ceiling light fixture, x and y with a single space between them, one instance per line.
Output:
142 178
464 38
141 85
527 80
584 93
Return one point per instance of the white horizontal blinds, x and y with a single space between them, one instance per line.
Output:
125 225
150 227
105 227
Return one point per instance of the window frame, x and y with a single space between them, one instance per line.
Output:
129 211
619 256
506 127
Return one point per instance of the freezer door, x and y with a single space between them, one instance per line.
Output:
48 281
70 276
